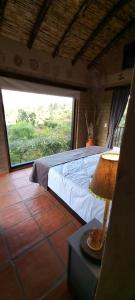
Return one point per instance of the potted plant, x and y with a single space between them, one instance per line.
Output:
90 132
92 126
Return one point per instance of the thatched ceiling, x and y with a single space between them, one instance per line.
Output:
74 29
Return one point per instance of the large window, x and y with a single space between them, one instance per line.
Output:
37 125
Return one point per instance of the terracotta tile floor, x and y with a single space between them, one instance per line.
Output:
34 228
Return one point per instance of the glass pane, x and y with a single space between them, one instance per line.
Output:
37 125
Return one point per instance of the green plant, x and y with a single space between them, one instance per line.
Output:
29 117
21 130
27 150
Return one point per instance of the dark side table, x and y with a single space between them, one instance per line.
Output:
83 272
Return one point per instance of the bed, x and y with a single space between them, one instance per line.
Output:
70 182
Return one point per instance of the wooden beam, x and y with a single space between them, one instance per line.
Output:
99 28
81 7
18 76
112 42
40 18
3 4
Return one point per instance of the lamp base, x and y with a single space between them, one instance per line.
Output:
90 251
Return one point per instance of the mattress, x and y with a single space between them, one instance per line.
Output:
70 181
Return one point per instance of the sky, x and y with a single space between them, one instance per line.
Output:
15 99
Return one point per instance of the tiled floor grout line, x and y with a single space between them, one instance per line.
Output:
60 228
8 260
45 238
34 214
45 210
52 247
34 219
5 240
22 200
24 296
1 209
31 197
53 286
11 226
25 218
28 249
12 263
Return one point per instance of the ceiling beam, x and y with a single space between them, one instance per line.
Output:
112 42
116 8
3 4
80 9
40 18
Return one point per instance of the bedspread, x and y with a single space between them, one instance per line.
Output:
42 166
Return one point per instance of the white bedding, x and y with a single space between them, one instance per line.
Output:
70 181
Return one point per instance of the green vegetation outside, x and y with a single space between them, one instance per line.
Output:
37 134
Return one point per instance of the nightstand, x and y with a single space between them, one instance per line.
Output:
83 272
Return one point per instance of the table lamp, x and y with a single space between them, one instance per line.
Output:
103 184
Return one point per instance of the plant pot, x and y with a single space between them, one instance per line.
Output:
90 142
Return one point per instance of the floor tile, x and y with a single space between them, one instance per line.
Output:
6 186
22 236
4 178
66 211
40 203
38 270
21 182
28 171
51 196
60 293
52 220
39 261
3 250
13 215
59 240
30 191
17 174
9 289
9 199
77 224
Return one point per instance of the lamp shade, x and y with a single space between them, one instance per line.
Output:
104 178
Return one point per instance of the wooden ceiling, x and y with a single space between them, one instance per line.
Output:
74 29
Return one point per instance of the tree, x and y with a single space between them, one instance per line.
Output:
21 131
32 118
26 116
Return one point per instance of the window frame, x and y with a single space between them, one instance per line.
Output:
30 163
